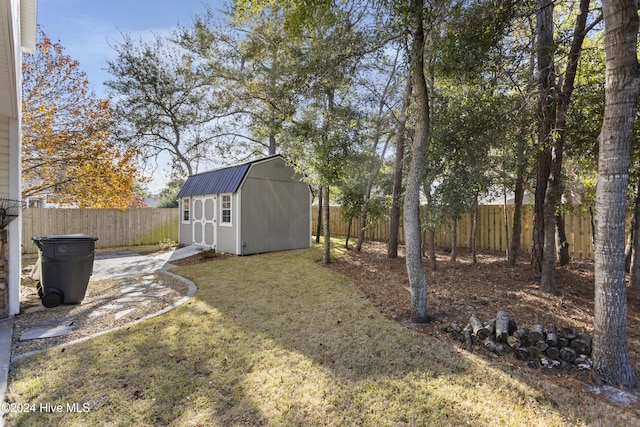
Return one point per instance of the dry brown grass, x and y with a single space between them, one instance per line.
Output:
279 340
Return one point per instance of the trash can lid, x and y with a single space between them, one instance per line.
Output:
64 237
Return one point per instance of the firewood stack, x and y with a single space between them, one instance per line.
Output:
536 345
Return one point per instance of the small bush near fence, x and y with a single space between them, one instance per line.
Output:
491 235
112 227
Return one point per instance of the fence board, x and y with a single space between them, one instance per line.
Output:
491 229
114 228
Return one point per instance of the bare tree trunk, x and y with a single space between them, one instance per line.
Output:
417 277
628 248
474 230
610 354
593 226
548 276
516 229
363 214
346 243
272 145
424 220
544 240
562 244
319 224
554 188
326 255
394 220
432 249
634 265
454 240
546 85
430 232
505 215
367 194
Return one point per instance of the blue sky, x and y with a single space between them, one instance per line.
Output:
87 28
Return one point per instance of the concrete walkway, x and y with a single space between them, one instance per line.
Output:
108 265
111 265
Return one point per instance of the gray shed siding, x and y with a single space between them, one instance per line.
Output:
270 207
185 234
228 235
276 209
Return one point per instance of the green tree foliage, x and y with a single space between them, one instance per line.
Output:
254 61
468 126
470 37
168 197
165 102
585 121
325 128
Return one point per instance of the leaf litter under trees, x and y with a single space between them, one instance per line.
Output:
461 289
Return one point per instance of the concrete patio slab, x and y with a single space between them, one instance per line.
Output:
55 331
123 313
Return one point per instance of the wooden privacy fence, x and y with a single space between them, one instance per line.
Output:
112 227
491 231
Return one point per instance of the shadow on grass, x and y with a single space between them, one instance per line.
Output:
275 339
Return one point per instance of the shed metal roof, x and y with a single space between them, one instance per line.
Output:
223 180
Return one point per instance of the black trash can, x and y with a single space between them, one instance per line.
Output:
65 264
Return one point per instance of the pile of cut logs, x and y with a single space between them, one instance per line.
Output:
548 345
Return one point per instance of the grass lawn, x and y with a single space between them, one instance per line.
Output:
279 340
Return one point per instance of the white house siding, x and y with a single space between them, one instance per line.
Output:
17 35
4 157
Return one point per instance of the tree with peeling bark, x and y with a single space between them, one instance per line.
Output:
611 359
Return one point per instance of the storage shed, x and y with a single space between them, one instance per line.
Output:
254 207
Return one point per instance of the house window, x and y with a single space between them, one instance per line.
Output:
226 209
186 203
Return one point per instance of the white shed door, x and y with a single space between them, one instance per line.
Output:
204 221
